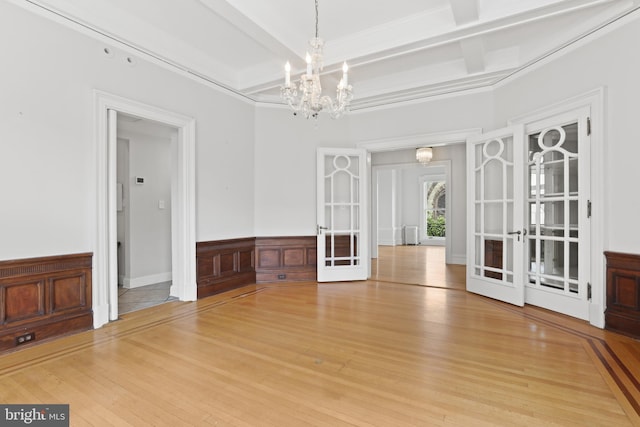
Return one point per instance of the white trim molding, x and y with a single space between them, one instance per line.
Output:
419 140
105 278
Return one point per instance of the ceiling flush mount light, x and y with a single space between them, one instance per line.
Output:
306 96
424 155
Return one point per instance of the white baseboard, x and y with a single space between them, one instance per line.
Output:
458 259
387 236
136 282
100 315
596 315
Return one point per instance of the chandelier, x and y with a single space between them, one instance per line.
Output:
306 96
424 155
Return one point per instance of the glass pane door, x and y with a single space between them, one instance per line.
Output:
342 239
553 200
495 189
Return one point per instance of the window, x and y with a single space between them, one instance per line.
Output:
434 196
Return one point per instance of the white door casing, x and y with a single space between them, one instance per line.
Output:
104 289
342 230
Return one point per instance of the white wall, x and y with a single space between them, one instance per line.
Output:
389 206
47 158
285 169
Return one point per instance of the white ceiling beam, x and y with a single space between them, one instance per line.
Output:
473 54
472 31
230 14
464 11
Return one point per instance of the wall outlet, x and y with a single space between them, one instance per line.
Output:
282 276
23 339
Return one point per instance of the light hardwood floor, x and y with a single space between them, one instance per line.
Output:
416 351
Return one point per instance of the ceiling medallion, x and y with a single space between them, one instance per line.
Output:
306 96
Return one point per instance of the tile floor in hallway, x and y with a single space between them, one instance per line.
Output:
145 296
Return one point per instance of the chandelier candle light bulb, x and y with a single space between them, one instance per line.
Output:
345 68
287 74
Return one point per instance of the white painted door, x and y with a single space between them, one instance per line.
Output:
557 212
529 192
495 189
342 240
112 137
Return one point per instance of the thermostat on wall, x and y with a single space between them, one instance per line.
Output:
139 180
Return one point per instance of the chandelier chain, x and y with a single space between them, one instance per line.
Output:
316 18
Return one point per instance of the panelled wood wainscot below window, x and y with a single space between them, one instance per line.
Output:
45 297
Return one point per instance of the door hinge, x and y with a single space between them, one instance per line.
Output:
588 208
589 291
588 126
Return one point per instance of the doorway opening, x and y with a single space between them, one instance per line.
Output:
433 205
399 153
143 208
182 206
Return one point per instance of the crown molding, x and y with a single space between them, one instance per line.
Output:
418 140
86 29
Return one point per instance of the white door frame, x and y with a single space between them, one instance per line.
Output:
422 227
594 100
104 278
402 143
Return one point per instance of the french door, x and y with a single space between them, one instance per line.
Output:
558 195
342 244
529 192
495 244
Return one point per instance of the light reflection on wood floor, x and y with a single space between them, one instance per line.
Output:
421 265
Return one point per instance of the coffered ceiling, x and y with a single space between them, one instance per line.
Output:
396 51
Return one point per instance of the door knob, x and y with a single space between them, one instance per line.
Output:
319 229
516 232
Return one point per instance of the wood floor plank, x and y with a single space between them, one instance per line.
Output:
418 351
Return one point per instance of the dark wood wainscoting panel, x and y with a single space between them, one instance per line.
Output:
286 259
623 293
224 265
493 258
342 246
44 297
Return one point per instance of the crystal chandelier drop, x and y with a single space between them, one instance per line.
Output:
306 96
424 155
